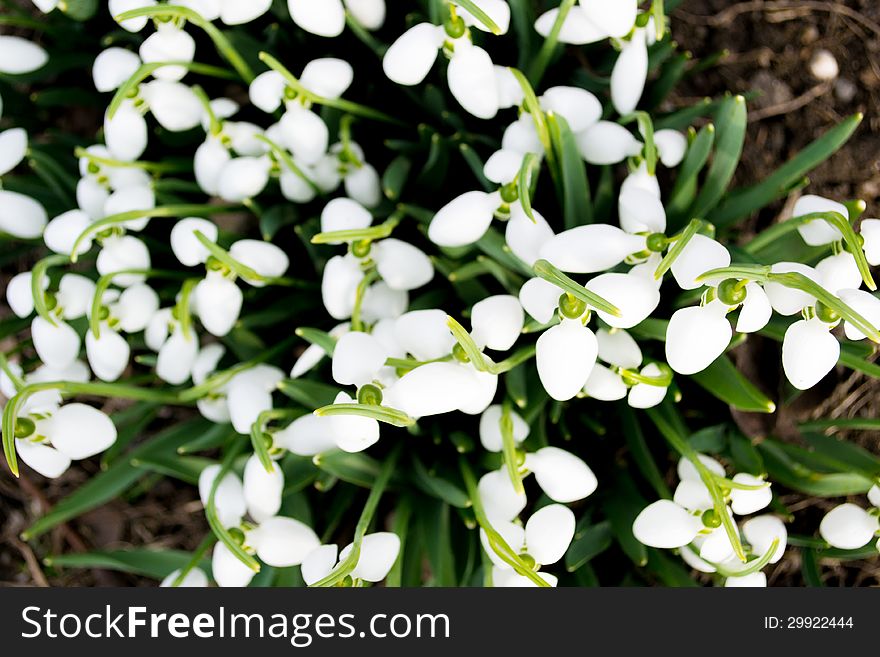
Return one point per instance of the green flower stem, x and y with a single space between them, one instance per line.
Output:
729 483
217 527
752 567
128 89
381 231
509 448
239 269
533 106
543 269
258 432
17 381
662 381
837 220
219 379
215 126
113 390
37 275
681 446
184 315
337 103
360 292
658 11
796 281
104 282
223 45
411 364
518 358
162 212
154 167
474 353
542 60
496 541
531 163
197 557
678 247
646 126
316 337
285 158
343 569
379 413
479 14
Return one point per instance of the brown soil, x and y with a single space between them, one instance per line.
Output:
769 44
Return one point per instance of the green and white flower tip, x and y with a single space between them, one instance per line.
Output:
582 296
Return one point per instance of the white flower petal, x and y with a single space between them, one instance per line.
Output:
80 431
664 524
497 321
696 337
566 354
549 532
321 17
561 475
809 352
636 297
410 58
848 527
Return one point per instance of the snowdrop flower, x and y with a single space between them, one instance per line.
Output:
849 526
50 440
121 253
21 216
108 352
818 232
591 21
314 354
606 142
278 541
545 538
195 578
618 349
112 67
465 219
696 337
230 12
442 387
701 254
809 352
378 552
169 43
565 355
630 73
19 55
310 435
865 304
497 322
590 249
177 355
249 393
118 7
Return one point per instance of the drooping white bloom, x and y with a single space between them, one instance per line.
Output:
563 476
786 300
701 254
565 356
195 578
696 337
186 247
411 56
592 248
607 143
865 304
378 552
217 301
591 21
524 236
465 219
497 322
636 297
848 527
118 7
13 147
265 258
168 43
249 393
471 77
665 524
18 55
630 73
21 216
818 232
809 352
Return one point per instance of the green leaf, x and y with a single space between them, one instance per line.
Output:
576 204
745 455
731 123
320 338
785 470
311 394
669 570
743 202
587 544
358 469
810 568
156 564
710 440
120 476
80 10
725 382
530 164
543 269
395 177
640 452
685 188
437 486
184 468
848 455
384 414
621 506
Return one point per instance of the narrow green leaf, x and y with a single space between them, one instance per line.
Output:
156 564
577 208
395 177
587 544
743 202
725 382
684 190
311 394
731 123
783 469
437 486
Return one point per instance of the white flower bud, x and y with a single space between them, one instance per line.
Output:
264 258
465 219
243 178
401 265
605 385
630 73
818 232
324 18
228 571
327 77
636 297
755 311
526 237
62 231
176 358
118 7
108 354
591 248
561 475
304 133
540 299
217 301
123 252
761 531
79 431
577 29
607 143
744 502
786 300
490 428
378 553
187 249
13 147
549 532
168 43
645 395
866 305
57 346
838 272
471 77
18 55
173 105
210 159
701 254
228 500
262 489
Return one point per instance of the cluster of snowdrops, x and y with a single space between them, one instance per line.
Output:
394 366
